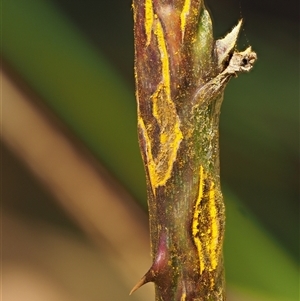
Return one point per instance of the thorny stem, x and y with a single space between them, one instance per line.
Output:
181 74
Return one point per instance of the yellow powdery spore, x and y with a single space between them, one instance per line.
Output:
164 111
150 161
196 223
214 227
183 16
164 57
149 16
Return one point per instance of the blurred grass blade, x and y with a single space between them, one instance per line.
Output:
76 82
254 260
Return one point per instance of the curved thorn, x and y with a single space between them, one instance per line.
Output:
139 284
149 277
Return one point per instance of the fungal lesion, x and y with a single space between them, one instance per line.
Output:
149 18
164 111
207 217
184 15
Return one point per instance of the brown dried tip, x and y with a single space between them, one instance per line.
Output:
227 44
241 61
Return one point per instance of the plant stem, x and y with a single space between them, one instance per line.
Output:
181 73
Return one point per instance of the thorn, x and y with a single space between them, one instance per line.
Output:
149 277
158 267
227 45
138 285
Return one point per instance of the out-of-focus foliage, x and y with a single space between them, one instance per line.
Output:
70 53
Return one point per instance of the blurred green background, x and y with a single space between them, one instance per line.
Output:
78 56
